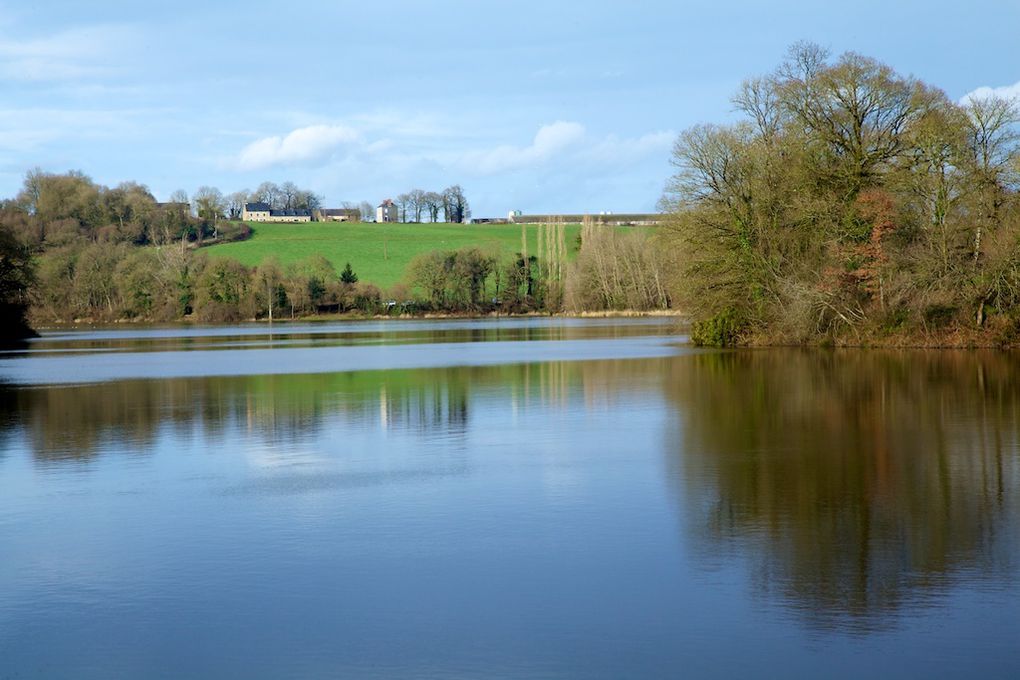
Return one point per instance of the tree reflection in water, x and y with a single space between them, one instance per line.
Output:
64 424
854 482
79 422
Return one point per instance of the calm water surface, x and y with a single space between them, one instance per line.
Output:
526 498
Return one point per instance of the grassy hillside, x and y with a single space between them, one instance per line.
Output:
379 253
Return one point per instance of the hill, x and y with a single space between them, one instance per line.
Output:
379 253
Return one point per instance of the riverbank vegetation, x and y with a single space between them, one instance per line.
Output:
90 253
850 205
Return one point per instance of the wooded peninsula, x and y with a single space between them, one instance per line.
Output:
850 206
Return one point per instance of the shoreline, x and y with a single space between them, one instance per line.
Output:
949 341
327 318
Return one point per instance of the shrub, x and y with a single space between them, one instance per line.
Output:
721 330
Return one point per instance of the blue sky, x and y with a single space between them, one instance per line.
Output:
540 106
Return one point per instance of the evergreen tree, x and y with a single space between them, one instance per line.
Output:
348 275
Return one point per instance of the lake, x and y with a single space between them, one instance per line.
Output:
503 498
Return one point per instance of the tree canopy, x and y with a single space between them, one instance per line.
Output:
851 204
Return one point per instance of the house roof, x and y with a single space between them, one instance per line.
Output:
290 213
257 207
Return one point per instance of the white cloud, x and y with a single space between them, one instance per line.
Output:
1005 91
566 141
376 155
303 146
549 140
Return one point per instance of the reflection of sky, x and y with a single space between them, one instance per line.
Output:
389 326
346 346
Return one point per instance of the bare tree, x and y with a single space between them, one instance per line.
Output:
993 135
858 107
367 211
29 196
416 203
209 203
289 195
268 193
268 279
306 200
235 204
455 205
758 98
403 202
433 203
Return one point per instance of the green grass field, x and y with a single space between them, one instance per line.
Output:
378 253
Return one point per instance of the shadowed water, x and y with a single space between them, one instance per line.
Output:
503 498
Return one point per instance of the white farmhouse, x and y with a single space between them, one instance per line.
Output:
386 211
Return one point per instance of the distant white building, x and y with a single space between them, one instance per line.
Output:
386 212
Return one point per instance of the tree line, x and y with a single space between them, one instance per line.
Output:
417 205
851 205
55 210
102 282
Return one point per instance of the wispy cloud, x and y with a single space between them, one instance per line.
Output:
1004 91
396 123
549 140
71 54
29 129
617 150
566 141
311 145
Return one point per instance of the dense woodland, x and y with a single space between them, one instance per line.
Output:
851 205
74 250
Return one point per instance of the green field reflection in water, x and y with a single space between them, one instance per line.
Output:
707 514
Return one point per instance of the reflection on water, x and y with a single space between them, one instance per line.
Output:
336 334
92 356
857 483
78 422
711 513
